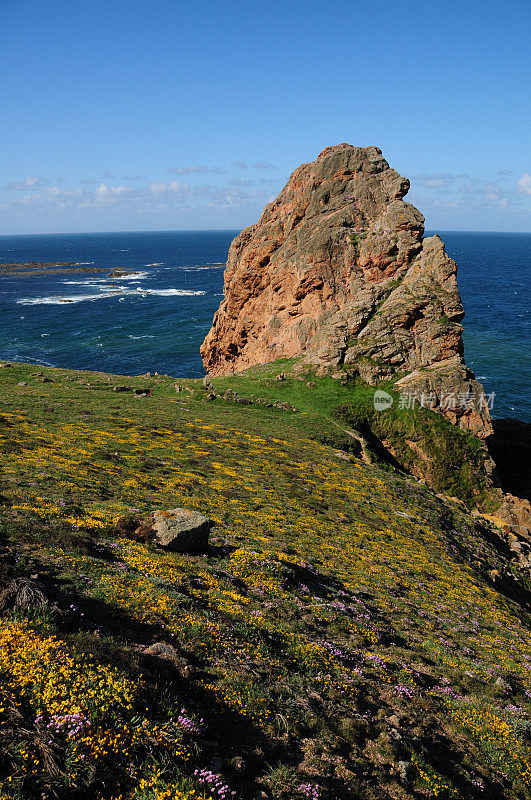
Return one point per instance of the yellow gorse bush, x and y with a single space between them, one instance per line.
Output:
266 496
56 681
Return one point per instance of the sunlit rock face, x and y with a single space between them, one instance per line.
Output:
338 272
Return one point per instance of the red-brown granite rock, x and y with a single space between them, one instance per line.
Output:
337 271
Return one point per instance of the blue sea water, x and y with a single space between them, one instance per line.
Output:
156 318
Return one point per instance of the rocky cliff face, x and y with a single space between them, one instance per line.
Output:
337 271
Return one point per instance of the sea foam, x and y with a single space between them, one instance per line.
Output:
106 293
59 300
171 292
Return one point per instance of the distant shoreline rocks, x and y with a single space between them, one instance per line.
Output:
28 268
36 264
25 269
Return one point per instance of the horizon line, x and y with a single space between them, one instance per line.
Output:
221 230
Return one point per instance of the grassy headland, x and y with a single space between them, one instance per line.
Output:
349 634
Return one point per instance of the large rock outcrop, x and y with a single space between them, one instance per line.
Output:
337 271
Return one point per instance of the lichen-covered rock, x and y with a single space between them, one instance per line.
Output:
337 271
181 530
516 512
167 652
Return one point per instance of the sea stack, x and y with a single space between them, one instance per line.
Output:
338 273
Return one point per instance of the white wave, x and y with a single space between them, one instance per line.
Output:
155 264
144 336
83 263
196 269
202 268
132 276
105 292
26 360
87 282
170 292
55 300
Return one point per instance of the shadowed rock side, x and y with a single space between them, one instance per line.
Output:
337 271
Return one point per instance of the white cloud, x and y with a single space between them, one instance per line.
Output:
239 182
149 199
198 169
111 191
436 180
469 194
254 165
433 182
29 182
173 186
524 184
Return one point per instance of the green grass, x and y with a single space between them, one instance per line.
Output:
345 620
454 460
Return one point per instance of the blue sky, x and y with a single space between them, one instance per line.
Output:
137 115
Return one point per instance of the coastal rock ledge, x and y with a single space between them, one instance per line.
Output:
337 271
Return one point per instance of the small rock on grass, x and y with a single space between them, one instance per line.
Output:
177 529
181 530
167 652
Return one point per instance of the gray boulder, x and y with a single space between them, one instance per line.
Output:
181 530
167 652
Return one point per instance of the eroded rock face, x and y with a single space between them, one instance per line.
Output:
337 271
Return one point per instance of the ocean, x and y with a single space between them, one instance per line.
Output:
155 318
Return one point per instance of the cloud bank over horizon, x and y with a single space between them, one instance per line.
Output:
105 201
35 204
